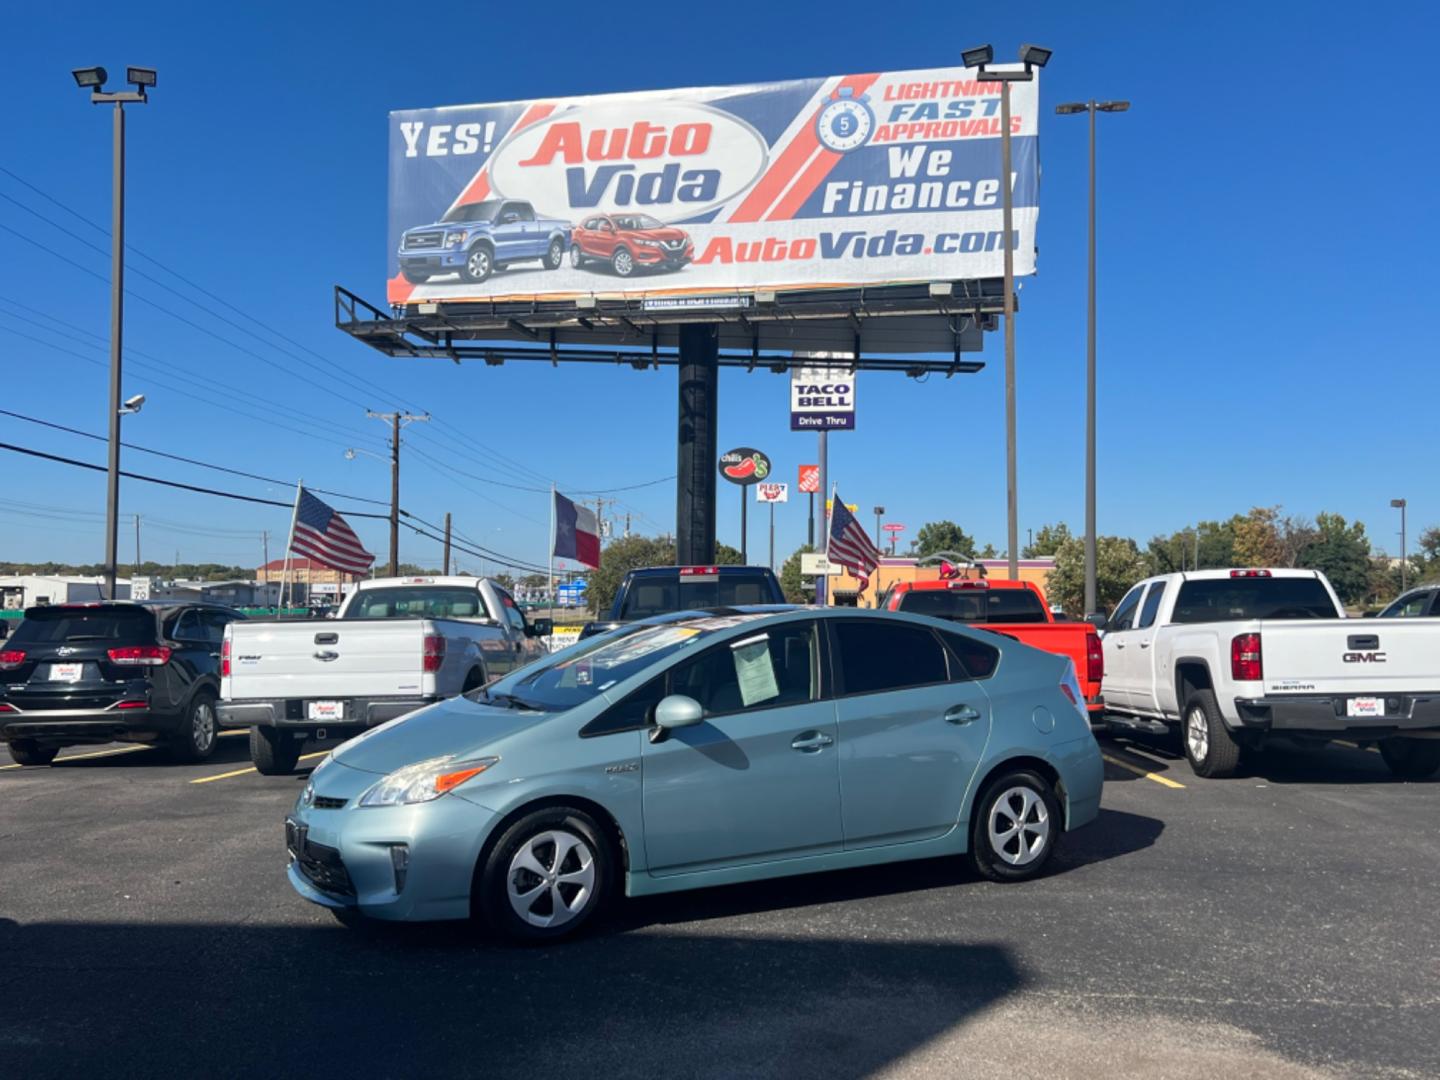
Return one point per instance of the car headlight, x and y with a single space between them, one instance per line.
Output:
424 780
648 243
456 239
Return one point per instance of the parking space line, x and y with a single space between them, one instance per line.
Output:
237 731
95 754
1355 746
242 772
1164 780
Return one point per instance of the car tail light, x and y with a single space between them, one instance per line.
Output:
1094 659
133 705
10 659
1245 662
434 652
140 655
967 584
694 571
1065 689
1250 573
225 658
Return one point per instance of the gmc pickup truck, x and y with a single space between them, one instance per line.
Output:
1233 658
1016 609
477 239
397 644
660 590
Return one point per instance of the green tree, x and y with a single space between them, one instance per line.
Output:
1168 554
505 581
725 555
1257 537
1047 541
987 552
792 583
944 536
1341 551
625 554
1119 564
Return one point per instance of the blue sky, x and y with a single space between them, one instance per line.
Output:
1265 273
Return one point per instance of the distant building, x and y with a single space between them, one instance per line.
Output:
19 591
306 577
237 593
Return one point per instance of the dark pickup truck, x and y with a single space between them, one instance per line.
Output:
660 590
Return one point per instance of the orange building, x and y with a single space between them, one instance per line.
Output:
844 590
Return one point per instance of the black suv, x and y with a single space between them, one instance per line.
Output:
98 673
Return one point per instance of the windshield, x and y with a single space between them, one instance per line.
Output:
660 594
976 605
480 211
614 658
417 602
60 624
1226 599
637 221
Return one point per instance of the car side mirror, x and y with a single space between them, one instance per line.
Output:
675 711
1098 619
541 628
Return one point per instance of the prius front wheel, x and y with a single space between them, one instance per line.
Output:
546 876
1015 826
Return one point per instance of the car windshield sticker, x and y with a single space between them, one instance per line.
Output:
643 644
754 670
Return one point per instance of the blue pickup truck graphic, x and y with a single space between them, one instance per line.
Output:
476 239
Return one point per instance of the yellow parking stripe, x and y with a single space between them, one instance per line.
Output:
1355 746
237 731
1165 780
82 757
242 772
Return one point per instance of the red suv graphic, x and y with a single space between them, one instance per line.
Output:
628 242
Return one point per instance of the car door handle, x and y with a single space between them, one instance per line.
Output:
1119 644
327 654
810 742
962 714
1144 644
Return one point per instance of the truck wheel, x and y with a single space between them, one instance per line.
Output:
1014 827
195 741
480 263
556 255
29 752
577 260
414 278
1409 759
274 752
1211 749
623 262
546 877
473 681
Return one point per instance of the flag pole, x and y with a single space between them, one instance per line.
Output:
290 539
550 573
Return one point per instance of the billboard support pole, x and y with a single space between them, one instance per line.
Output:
696 474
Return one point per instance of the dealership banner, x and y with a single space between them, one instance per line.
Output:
839 181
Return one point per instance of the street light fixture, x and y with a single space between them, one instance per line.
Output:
1399 504
1068 109
93 79
1032 56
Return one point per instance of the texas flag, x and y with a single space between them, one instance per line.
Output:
577 533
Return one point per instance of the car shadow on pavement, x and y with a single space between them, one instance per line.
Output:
227 752
1291 763
145 999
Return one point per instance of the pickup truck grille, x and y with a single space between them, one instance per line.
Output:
423 241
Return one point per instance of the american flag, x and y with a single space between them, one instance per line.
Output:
323 535
850 547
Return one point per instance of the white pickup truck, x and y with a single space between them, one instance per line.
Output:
397 644
1233 657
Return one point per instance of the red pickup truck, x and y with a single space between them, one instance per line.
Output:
1016 609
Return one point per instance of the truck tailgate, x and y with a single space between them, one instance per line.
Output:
1061 638
325 659
1350 656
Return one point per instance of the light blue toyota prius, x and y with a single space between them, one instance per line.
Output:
701 749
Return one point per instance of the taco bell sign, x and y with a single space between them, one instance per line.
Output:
822 398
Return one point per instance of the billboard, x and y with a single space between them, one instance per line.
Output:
838 181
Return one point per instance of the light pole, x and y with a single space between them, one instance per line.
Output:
879 513
93 79
1032 56
1092 107
1399 504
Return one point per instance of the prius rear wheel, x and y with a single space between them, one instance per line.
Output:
1015 826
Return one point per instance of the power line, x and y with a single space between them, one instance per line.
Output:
186 460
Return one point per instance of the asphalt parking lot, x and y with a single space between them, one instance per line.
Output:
1282 924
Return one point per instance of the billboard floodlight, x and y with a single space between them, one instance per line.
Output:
91 77
139 76
1113 106
1070 107
978 56
1035 55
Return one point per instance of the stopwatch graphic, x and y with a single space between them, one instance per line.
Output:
845 123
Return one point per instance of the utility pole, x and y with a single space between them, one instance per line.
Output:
627 524
446 568
396 421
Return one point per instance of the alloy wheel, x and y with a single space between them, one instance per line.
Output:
479 263
575 257
551 878
624 263
1019 826
557 254
203 726
1197 734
